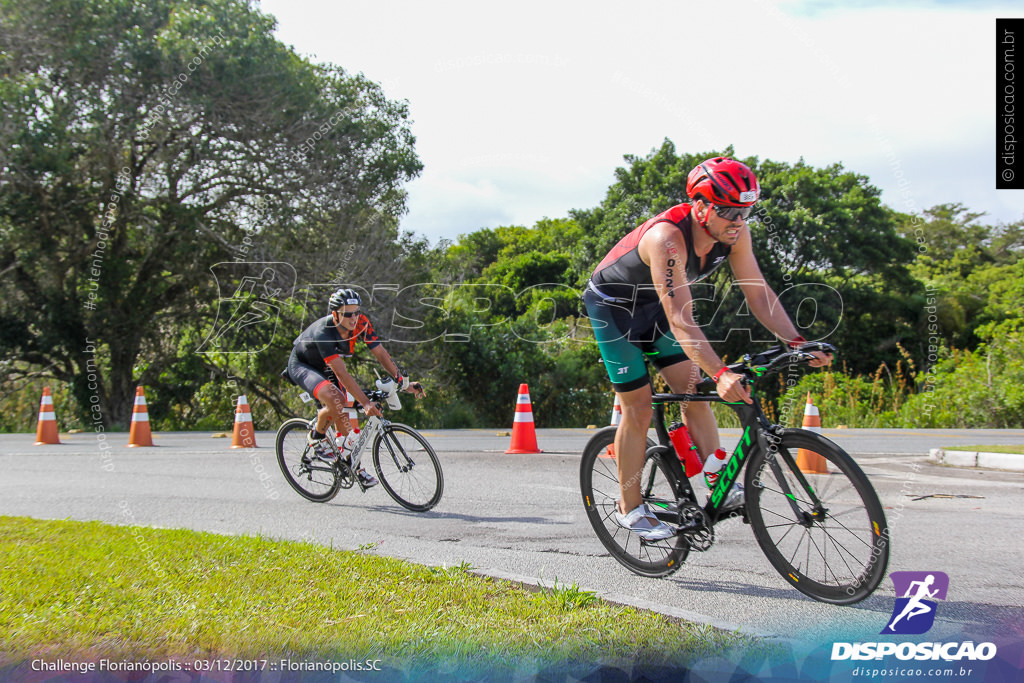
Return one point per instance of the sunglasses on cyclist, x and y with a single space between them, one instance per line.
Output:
733 213
349 315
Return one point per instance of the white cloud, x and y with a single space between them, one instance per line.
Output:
524 110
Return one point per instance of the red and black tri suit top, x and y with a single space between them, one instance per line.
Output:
624 276
320 343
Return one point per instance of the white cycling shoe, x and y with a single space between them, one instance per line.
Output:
638 520
367 479
734 501
321 449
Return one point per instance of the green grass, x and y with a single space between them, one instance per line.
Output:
95 590
988 449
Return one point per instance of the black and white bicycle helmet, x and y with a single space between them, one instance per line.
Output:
343 297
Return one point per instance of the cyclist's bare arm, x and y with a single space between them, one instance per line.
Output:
664 250
389 365
763 301
349 382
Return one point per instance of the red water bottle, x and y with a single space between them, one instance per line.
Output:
685 449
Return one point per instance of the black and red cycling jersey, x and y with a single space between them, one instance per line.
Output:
321 342
622 274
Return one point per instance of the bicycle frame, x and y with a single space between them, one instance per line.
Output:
835 554
373 426
758 434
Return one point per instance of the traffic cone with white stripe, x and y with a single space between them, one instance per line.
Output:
810 462
524 438
350 410
244 436
616 419
46 431
139 434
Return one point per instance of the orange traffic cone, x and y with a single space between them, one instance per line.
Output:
350 410
46 431
139 434
616 419
810 462
524 438
616 411
244 436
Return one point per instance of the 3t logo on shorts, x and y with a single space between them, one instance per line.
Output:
914 612
623 371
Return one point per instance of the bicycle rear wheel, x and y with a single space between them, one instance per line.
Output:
599 484
825 533
311 478
408 467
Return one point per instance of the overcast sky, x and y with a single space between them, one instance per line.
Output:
523 110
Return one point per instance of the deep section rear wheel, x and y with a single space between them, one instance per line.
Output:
408 468
825 532
311 478
599 484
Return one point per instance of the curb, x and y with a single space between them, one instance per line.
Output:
996 461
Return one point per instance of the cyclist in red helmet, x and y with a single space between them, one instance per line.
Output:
639 302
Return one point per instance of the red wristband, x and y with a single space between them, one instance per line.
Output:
718 375
797 341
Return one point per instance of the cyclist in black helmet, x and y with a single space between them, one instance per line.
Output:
316 364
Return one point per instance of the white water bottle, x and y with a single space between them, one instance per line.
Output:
387 385
348 444
712 465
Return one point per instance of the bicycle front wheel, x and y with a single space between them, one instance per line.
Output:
823 530
408 468
599 484
311 478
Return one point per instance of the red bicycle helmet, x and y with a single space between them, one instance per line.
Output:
724 182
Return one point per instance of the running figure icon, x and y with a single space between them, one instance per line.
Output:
915 605
917 594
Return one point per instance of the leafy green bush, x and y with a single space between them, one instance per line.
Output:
19 406
842 400
973 389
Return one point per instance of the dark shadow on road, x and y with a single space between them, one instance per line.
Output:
878 602
430 514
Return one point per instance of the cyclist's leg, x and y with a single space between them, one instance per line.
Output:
333 400
320 388
627 371
342 422
631 442
682 375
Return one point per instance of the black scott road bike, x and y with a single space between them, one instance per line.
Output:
406 464
824 532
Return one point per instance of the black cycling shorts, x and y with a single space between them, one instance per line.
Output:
308 377
627 334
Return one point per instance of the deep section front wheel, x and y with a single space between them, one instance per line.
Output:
408 468
311 478
823 530
599 484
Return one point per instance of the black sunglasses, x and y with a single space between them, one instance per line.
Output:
348 315
733 213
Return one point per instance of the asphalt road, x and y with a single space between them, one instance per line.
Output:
520 517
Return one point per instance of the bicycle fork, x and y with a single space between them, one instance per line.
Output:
769 441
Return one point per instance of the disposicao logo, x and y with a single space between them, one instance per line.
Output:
913 614
916 595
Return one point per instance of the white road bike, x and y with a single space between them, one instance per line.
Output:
406 464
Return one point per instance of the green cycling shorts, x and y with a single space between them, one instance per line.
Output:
627 335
